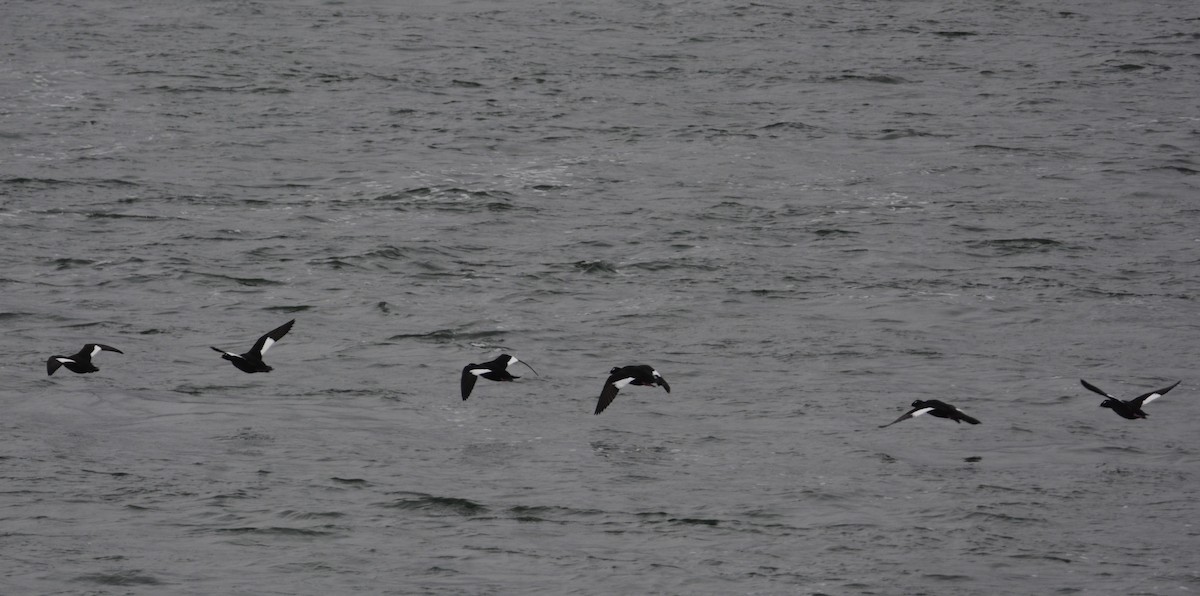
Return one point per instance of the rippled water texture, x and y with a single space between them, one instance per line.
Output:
804 215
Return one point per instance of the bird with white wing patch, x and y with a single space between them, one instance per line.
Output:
621 376
936 408
1129 408
494 370
80 362
252 361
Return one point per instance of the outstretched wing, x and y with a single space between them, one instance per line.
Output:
1142 400
909 414
468 379
611 387
265 342
54 362
97 348
1091 387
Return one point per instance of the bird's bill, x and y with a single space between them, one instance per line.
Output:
515 360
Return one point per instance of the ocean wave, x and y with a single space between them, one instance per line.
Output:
128 577
436 505
450 335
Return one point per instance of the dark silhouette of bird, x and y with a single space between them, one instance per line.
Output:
252 361
496 370
620 376
80 362
1131 408
936 408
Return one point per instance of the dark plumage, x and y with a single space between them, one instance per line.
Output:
80 362
252 361
620 376
1131 408
936 408
496 370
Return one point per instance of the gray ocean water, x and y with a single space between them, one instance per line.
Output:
805 215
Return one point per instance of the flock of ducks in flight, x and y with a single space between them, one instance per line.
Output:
619 377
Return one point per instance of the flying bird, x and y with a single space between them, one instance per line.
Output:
1131 408
936 408
80 362
496 370
252 361
620 376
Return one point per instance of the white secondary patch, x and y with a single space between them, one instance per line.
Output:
96 350
1151 397
267 345
921 411
512 360
621 383
64 360
479 371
